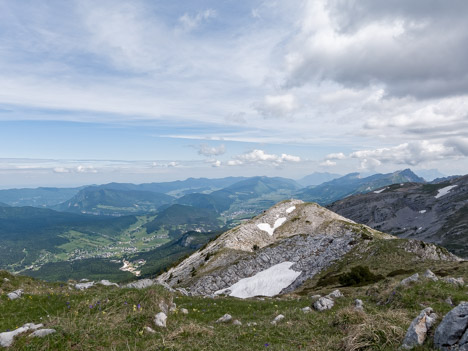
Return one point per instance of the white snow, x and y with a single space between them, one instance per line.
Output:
444 191
269 282
422 211
270 230
379 191
289 210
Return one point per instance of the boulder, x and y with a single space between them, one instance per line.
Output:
84 286
455 281
160 320
452 334
224 319
42 332
141 284
15 294
108 283
417 331
324 303
430 275
277 319
411 279
335 294
6 338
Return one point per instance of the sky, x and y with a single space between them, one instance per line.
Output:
149 90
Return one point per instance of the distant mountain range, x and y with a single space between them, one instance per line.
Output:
353 183
317 178
431 212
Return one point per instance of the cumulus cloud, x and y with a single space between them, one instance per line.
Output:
412 153
207 150
336 156
274 106
191 22
328 163
412 48
261 157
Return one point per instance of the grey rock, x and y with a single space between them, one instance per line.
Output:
306 309
358 305
42 332
15 294
141 284
160 320
150 330
430 275
411 279
184 311
451 332
224 319
277 319
107 283
6 279
315 297
455 281
6 338
164 307
84 280
84 286
237 322
251 324
335 294
324 303
172 307
449 301
417 331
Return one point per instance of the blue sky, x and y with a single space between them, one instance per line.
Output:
139 91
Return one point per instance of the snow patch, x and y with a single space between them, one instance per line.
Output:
269 282
422 211
379 191
289 210
444 191
270 230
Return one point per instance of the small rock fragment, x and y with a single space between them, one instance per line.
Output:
315 297
15 294
277 319
335 294
237 322
449 301
184 311
150 330
324 303
430 275
6 279
417 331
42 332
108 283
224 319
160 320
251 324
411 279
306 309
173 307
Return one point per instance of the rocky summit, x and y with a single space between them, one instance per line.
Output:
284 249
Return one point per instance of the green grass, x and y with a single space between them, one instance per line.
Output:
107 318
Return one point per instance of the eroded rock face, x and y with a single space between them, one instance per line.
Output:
452 334
417 331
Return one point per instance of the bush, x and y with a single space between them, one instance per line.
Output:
359 275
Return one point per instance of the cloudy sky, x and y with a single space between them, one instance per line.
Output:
138 91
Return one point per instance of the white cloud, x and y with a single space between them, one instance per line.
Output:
61 170
336 156
278 105
328 163
207 150
189 22
412 153
86 169
260 157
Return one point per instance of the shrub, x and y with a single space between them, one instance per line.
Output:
359 275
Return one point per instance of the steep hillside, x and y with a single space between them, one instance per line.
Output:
432 212
4 204
178 219
289 245
217 202
98 201
353 183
